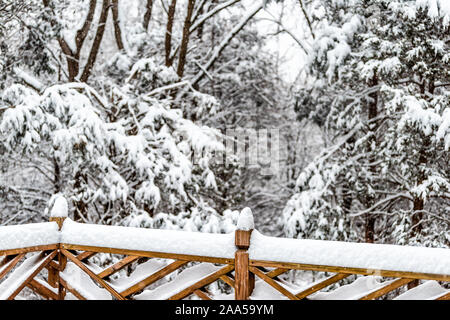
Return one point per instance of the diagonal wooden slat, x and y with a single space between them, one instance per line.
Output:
71 289
86 255
91 274
32 275
153 278
42 290
10 265
272 283
6 259
202 295
386 289
228 280
276 272
444 297
316 287
118 266
203 282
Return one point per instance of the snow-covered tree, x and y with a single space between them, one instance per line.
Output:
381 80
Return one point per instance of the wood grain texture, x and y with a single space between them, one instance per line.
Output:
244 281
28 249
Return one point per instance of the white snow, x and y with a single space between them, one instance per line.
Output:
263 291
18 276
34 82
28 235
430 290
353 291
168 241
183 280
351 255
83 284
60 208
142 271
245 220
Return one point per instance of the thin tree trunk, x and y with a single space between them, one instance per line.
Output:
148 14
72 61
97 40
168 39
57 180
117 30
185 39
73 58
372 113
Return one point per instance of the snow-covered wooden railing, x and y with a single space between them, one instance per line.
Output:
58 263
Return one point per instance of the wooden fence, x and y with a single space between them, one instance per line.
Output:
66 270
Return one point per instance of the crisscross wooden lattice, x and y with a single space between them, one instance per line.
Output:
64 271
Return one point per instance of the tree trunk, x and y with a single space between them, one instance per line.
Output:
148 14
97 40
117 30
185 39
168 39
372 113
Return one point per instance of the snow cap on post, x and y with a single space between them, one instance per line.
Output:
244 229
60 207
59 210
245 220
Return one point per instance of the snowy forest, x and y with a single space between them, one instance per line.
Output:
135 111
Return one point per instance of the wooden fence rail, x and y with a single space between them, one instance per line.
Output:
66 270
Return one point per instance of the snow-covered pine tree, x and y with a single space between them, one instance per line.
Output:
381 78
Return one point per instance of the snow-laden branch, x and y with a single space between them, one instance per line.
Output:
28 79
211 13
381 202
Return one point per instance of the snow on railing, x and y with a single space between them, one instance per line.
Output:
245 253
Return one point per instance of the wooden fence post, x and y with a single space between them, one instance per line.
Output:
244 279
58 214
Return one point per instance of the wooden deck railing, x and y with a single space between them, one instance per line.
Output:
66 270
